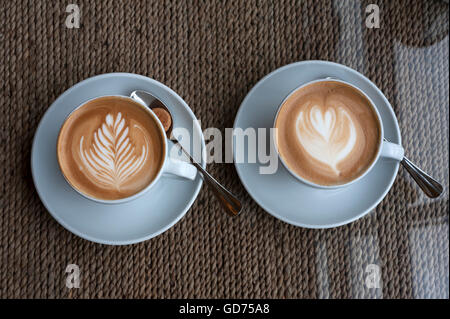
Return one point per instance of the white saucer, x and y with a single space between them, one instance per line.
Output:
280 194
132 222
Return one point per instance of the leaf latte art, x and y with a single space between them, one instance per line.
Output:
328 136
112 158
111 148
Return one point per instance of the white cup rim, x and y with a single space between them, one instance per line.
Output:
380 142
144 190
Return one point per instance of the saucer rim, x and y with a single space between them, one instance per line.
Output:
135 240
325 225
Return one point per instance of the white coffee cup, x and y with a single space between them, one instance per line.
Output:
170 166
385 148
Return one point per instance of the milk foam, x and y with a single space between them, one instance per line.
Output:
328 136
112 159
328 133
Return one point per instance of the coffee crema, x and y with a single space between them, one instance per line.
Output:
110 148
327 133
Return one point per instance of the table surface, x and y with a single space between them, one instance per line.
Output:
212 53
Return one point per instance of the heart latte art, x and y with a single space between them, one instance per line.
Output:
110 148
328 136
327 133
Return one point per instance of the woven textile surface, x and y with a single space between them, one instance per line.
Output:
212 53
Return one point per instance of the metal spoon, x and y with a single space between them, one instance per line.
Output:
229 202
428 184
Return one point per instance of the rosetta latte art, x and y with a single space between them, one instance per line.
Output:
112 158
328 136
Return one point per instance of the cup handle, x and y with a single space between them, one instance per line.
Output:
180 168
391 150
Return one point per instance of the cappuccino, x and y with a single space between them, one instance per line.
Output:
110 148
327 133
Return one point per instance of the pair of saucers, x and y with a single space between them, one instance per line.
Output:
280 194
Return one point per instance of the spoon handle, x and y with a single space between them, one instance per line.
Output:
228 201
428 184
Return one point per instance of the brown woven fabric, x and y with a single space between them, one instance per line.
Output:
212 53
